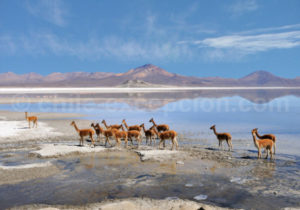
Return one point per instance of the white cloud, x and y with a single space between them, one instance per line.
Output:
95 49
238 45
271 29
243 6
52 11
253 43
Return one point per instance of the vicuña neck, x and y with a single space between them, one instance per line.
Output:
104 122
254 140
99 127
259 136
214 129
125 124
76 128
154 123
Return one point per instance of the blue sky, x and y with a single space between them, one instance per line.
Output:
202 38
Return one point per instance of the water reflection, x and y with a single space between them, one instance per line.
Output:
149 100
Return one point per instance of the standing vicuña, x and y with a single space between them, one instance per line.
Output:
106 133
135 134
98 130
263 143
221 137
162 127
83 132
116 126
150 134
154 129
168 135
267 136
34 120
121 134
132 127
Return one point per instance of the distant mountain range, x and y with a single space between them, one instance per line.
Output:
144 76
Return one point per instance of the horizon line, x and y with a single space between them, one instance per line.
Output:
128 89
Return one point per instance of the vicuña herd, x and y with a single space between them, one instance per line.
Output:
161 132
133 132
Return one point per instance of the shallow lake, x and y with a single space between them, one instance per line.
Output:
190 113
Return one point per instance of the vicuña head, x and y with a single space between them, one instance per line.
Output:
151 120
212 127
72 123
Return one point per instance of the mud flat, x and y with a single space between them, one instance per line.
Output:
158 155
54 150
52 127
25 172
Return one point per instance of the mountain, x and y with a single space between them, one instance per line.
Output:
264 78
144 76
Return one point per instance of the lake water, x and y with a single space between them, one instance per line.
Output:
190 113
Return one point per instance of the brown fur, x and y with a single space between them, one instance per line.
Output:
267 136
263 143
32 119
83 132
155 131
160 128
150 134
168 135
223 137
135 134
106 133
98 130
132 127
121 134
116 126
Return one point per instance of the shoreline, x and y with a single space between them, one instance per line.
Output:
5 90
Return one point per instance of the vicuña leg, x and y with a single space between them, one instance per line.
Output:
160 142
259 153
92 139
107 140
81 141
